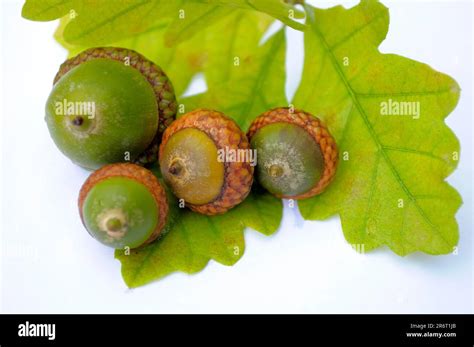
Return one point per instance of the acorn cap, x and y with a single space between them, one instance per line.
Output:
316 129
226 134
138 174
157 78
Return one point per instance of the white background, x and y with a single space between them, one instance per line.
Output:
51 265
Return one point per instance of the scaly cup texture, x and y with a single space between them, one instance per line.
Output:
194 163
123 205
297 156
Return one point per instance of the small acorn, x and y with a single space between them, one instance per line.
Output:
109 105
123 205
297 156
194 161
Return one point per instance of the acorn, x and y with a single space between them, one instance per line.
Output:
202 158
297 156
109 105
123 205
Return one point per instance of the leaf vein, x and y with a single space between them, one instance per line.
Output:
414 151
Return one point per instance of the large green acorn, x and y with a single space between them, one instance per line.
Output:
123 205
109 105
297 156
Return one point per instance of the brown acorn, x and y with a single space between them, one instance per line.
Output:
123 205
297 156
194 161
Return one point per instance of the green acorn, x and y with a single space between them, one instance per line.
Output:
109 105
297 156
123 205
191 165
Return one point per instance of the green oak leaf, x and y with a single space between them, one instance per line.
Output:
95 23
232 41
182 29
390 186
199 15
45 10
257 84
103 22
192 239
211 52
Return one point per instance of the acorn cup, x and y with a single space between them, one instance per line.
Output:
192 163
297 156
